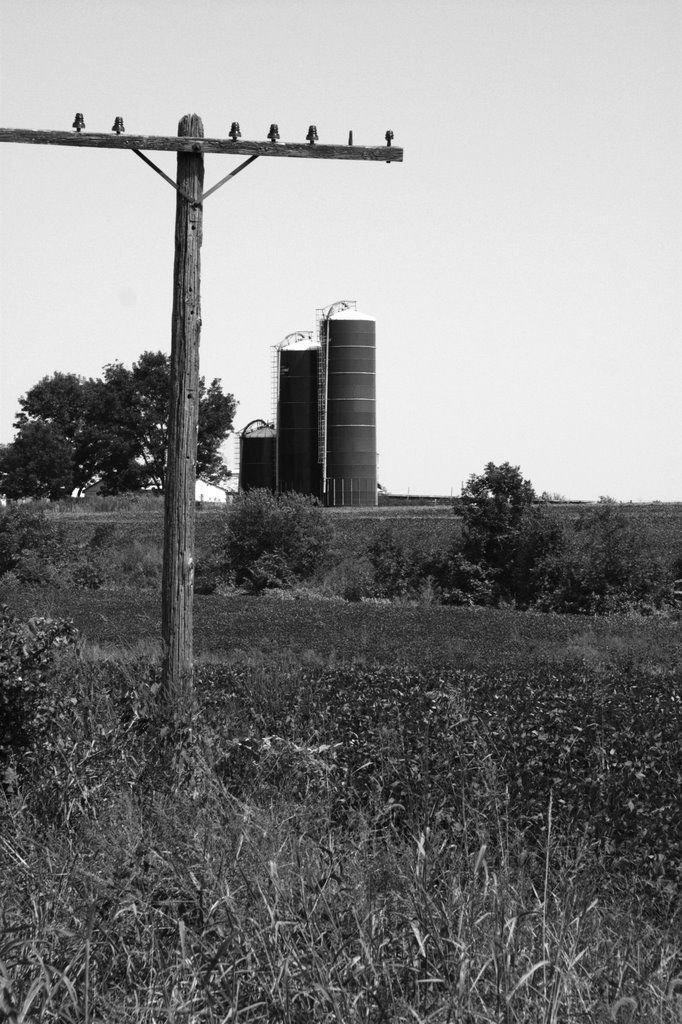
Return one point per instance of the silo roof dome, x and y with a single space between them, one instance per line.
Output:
258 428
261 432
351 314
300 346
299 341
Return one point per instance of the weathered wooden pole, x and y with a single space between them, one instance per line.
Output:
180 483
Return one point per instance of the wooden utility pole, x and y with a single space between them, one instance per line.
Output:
179 517
177 588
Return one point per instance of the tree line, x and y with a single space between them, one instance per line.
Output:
71 432
506 547
511 549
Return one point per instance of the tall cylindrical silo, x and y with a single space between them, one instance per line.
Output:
257 451
298 468
350 466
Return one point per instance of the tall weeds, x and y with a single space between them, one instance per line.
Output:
260 871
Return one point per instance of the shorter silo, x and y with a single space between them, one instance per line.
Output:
298 468
257 456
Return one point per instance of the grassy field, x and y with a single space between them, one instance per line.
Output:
373 812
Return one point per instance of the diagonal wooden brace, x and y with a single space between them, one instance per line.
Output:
209 192
165 177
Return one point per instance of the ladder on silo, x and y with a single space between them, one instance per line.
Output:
274 406
322 334
237 457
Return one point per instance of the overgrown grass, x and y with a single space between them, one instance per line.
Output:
339 845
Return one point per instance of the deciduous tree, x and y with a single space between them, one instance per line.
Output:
38 463
114 430
505 534
495 503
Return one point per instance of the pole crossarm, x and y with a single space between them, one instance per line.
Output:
188 144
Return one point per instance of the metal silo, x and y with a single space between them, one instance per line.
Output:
348 387
257 454
297 369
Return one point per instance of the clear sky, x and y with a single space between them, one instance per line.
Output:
524 263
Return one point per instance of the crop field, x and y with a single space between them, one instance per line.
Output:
243 627
371 811
425 526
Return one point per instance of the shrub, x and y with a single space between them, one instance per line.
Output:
606 567
398 571
461 582
28 542
28 701
35 550
351 578
209 573
540 536
274 540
